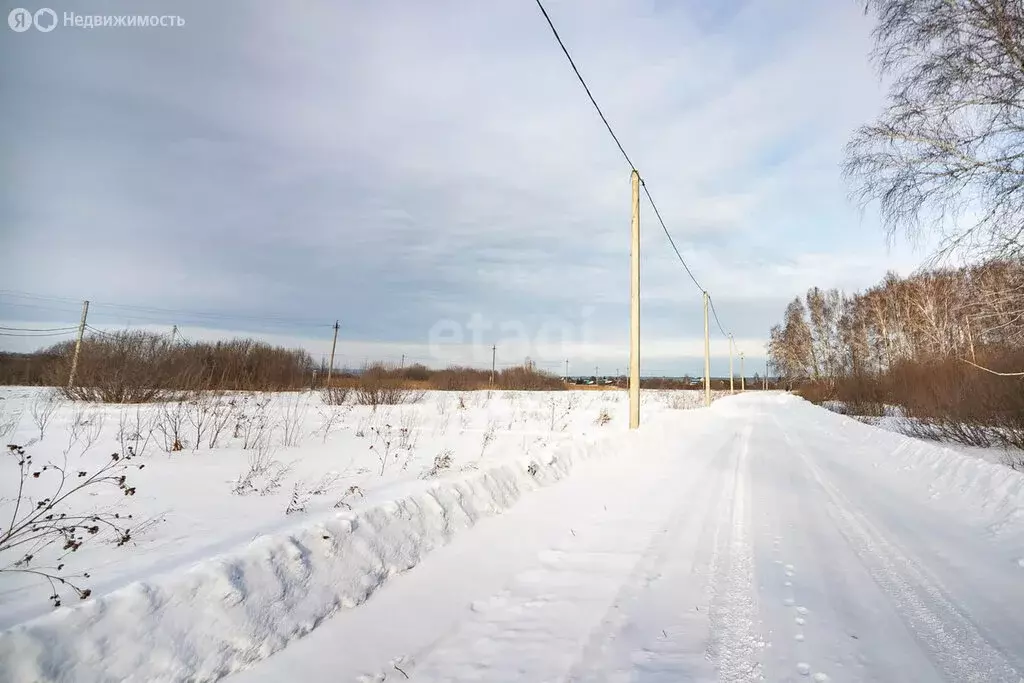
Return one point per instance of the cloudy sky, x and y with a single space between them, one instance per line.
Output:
432 175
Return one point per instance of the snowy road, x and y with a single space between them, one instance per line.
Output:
764 539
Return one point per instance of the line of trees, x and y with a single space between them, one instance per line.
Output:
969 313
944 346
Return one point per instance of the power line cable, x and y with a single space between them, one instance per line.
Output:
36 334
147 312
664 228
611 132
715 313
632 166
585 87
64 329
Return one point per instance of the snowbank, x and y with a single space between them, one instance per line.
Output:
232 610
992 493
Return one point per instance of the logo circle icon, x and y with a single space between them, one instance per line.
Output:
43 24
20 19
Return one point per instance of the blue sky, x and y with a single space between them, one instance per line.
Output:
410 168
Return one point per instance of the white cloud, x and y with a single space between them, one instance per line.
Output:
396 163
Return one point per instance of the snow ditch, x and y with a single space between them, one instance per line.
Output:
231 610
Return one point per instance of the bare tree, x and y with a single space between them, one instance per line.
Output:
947 154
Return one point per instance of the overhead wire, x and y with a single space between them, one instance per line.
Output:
622 149
64 329
711 302
36 334
152 313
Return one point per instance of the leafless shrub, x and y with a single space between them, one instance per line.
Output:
603 418
131 366
201 410
302 492
441 403
264 473
324 484
559 413
43 408
170 423
336 395
377 387
298 500
349 493
53 517
408 430
135 431
292 418
84 430
252 421
488 438
680 400
1014 459
382 444
223 415
9 421
442 462
331 417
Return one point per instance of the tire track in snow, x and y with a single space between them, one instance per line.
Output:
953 642
661 597
735 645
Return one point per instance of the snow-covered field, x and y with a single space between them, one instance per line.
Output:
246 459
762 539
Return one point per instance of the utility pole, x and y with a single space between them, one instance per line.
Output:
567 369
174 333
78 345
766 372
634 307
732 389
402 367
707 355
743 375
494 357
334 344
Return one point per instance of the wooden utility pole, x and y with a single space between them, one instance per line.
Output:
402 366
334 344
634 307
732 389
766 372
78 345
707 355
494 359
567 369
743 375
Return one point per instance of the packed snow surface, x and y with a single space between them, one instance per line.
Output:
760 539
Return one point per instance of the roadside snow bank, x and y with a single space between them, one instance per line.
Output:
232 610
992 493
